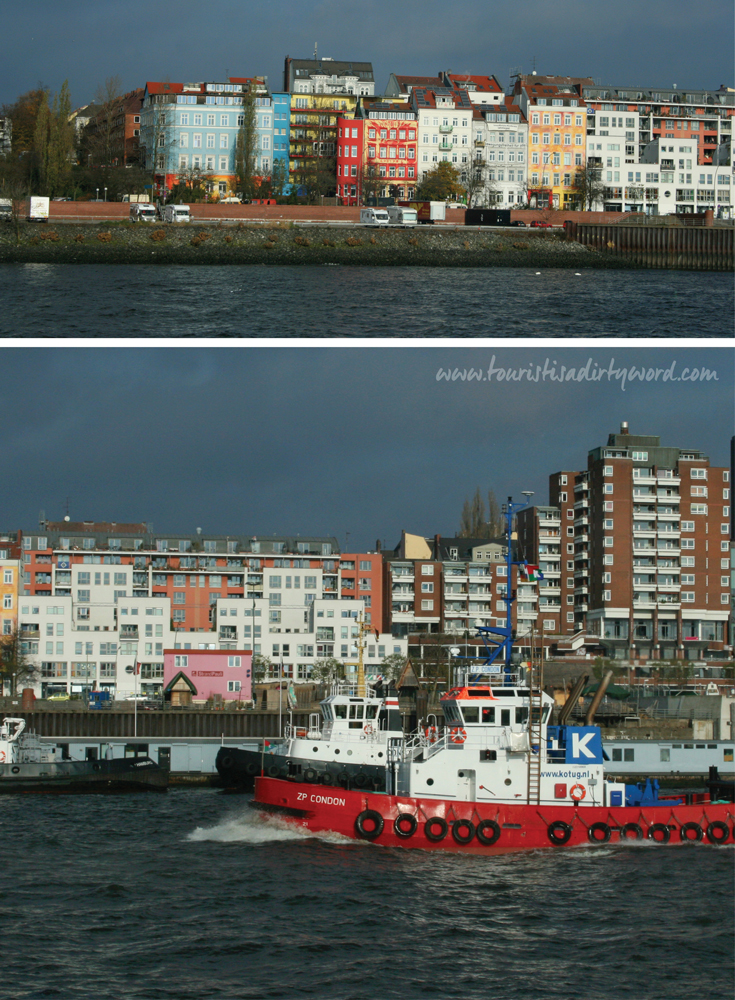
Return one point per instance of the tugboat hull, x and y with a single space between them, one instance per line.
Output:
139 774
487 827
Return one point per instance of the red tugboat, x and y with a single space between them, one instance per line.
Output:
498 778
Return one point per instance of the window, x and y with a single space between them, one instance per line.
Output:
427 570
427 605
427 588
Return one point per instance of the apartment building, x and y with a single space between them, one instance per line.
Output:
557 130
328 76
702 118
9 577
649 539
279 597
190 130
499 150
377 152
444 119
450 585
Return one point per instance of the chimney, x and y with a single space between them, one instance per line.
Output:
624 427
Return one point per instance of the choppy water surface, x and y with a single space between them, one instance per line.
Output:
191 896
50 300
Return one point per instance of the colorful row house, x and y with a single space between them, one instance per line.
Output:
557 137
377 152
189 131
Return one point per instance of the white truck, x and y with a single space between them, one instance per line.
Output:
428 212
6 208
374 217
176 213
400 216
144 212
38 209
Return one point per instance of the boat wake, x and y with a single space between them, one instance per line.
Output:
249 828
254 828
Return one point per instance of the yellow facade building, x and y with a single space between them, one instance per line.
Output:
9 581
557 142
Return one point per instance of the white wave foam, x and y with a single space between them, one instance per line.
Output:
250 828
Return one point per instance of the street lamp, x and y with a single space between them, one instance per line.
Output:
96 194
105 194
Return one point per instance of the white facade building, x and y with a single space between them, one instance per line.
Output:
444 128
500 145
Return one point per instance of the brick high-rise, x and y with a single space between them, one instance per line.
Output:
649 542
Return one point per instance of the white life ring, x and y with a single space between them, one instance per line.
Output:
431 734
577 793
368 729
458 734
2 756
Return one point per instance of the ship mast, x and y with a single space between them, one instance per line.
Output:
362 629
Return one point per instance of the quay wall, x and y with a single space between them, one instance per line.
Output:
687 248
198 723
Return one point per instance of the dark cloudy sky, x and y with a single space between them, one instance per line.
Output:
627 42
319 441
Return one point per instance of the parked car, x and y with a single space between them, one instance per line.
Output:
231 199
541 225
518 222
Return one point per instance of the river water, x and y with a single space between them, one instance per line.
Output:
190 896
57 300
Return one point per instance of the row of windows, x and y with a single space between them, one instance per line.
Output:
545 139
559 119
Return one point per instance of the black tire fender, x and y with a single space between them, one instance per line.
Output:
559 832
405 825
436 829
656 828
603 829
363 821
722 834
693 828
463 831
631 828
485 837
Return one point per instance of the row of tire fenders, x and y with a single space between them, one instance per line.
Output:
370 824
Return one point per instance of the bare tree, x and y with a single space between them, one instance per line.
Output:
370 183
475 181
589 186
101 137
15 667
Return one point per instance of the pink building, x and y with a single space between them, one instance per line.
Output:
199 674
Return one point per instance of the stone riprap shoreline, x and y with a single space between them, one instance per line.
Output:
286 243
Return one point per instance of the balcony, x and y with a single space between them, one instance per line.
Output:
445 129
581 590
446 144
582 487
581 504
581 522
479 143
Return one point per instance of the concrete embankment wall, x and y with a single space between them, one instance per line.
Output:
282 243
